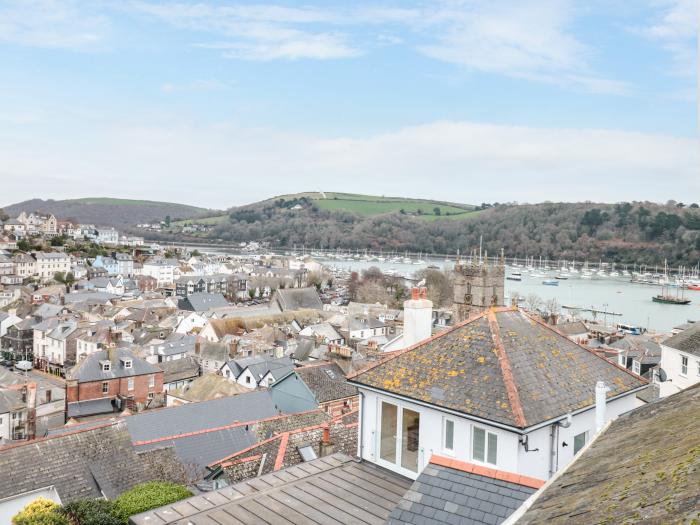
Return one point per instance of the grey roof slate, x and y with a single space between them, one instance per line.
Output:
202 301
450 496
290 299
69 463
331 490
687 341
326 381
90 368
90 407
644 468
194 417
459 369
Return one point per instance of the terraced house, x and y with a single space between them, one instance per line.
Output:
500 390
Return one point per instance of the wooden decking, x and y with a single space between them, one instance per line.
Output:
330 490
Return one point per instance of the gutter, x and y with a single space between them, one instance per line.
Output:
502 426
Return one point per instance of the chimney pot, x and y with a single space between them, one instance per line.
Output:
415 293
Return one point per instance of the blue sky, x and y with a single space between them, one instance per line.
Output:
223 103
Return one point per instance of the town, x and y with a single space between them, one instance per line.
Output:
274 388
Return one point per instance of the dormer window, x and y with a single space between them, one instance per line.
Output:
106 366
127 363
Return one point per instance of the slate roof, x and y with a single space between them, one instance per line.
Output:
332 490
454 492
687 341
80 464
326 381
572 328
298 299
90 368
202 301
500 365
90 407
193 417
645 467
179 369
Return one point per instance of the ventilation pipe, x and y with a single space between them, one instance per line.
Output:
600 400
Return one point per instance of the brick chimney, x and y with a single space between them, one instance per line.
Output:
326 447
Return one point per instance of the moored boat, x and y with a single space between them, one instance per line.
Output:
550 282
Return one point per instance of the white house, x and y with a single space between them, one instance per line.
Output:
258 371
49 263
7 319
680 361
190 322
500 390
163 270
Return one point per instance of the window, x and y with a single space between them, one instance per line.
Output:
106 367
151 381
579 441
621 360
448 433
131 384
484 446
247 380
105 387
127 363
684 365
699 368
636 367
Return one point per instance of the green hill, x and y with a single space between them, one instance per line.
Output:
104 211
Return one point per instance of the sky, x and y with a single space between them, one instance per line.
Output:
219 104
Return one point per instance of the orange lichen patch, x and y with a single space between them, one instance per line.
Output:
481 359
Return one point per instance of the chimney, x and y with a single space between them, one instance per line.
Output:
417 317
326 447
197 347
600 400
31 410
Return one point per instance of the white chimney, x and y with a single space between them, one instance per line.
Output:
417 317
600 400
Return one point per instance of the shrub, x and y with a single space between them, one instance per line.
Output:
41 511
90 512
147 496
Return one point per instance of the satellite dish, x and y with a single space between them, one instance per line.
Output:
24 366
662 375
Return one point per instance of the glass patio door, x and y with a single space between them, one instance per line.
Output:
399 447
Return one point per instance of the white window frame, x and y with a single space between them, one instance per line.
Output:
151 381
636 367
585 441
487 447
106 367
684 366
449 450
621 360
130 384
105 384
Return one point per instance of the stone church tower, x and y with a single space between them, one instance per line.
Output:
477 286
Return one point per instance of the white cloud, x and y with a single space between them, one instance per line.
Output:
677 31
528 39
52 24
257 32
224 165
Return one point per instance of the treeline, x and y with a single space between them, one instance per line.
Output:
627 232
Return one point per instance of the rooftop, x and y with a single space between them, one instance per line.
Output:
645 467
330 490
450 491
687 341
500 365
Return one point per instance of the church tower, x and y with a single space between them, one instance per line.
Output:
478 285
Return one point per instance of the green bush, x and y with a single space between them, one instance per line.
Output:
90 512
41 511
147 496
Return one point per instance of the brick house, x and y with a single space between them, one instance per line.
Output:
110 380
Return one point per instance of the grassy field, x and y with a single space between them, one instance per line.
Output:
368 205
132 202
215 219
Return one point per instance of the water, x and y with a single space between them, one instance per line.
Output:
612 294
